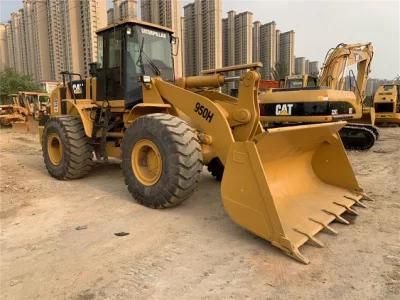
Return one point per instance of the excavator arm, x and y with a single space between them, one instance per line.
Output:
344 55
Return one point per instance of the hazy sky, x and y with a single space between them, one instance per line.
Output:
319 25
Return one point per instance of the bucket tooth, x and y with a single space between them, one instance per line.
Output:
348 208
366 197
314 240
327 227
338 218
358 202
296 254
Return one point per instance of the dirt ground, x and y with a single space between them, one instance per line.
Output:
192 251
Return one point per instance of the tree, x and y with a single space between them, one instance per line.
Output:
397 79
12 82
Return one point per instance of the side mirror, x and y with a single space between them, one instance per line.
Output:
175 41
93 69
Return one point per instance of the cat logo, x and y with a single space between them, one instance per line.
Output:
77 88
283 109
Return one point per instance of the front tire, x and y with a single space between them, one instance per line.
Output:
67 152
161 160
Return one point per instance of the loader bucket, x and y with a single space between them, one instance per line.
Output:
289 184
28 126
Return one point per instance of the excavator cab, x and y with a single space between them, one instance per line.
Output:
127 52
300 81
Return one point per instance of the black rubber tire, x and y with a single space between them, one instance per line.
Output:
216 168
181 158
77 154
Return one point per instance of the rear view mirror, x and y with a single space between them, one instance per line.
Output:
93 69
175 41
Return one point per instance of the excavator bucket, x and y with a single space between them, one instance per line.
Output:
289 184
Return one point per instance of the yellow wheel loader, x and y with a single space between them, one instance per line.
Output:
303 101
6 110
24 112
284 185
387 104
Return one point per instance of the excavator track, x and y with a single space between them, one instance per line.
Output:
357 137
373 128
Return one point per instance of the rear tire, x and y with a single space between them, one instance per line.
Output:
66 150
216 168
161 160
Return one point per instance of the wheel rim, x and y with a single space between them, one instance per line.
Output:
54 148
146 162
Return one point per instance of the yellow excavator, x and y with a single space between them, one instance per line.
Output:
303 101
284 185
387 104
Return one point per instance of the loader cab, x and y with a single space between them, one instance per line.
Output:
126 52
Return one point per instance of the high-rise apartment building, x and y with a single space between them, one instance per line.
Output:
72 34
40 41
256 41
237 37
243 38
190 52
166 13
27 18
17 42
300 65
211 16
122 10
286 52
228 39
237 40
10 46
277 38
203 36
307 66
314 68
4 62
268 49
47 37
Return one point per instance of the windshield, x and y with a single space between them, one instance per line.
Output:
295 83
149 52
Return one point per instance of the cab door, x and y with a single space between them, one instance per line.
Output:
109 69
